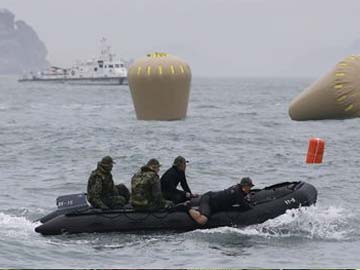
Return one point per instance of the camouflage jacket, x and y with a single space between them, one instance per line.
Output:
146 190
101 190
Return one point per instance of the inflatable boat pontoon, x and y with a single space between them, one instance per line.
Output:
74 215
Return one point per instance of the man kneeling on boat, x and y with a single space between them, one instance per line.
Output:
212 202
102 192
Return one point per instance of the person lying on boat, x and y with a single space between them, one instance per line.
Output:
146 190
101 190
171 179
212 202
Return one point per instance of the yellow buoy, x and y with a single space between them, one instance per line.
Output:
335 96
160 87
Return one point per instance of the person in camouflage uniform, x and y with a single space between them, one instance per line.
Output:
146 190
101 190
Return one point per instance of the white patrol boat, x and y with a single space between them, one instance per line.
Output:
104 70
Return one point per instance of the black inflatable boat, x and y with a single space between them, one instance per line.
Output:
75 216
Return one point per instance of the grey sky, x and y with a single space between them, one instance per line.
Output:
216 37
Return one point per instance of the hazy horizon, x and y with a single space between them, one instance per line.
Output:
236 38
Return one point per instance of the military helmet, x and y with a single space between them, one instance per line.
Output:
153 162
180 160
246 181
107 160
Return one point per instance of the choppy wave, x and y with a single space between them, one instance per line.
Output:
331 223
55 134
4 107
15 226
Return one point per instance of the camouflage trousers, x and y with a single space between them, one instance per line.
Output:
118 201
115 202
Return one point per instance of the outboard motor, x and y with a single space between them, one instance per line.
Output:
72 201
67 204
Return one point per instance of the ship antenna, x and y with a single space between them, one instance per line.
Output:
103 48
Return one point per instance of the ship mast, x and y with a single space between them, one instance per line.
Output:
105 50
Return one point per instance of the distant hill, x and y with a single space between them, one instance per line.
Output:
21 50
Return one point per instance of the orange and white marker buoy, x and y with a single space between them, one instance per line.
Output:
315 151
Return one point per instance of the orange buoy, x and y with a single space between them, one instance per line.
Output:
315 151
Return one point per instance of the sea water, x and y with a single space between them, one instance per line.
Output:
53 135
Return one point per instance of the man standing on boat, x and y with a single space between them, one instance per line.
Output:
145 188
171 179
212 202
101 190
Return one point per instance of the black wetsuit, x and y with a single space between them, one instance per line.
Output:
170 180
212 202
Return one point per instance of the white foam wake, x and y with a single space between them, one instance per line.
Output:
13 226
332 223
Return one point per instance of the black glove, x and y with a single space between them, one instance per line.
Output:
169 204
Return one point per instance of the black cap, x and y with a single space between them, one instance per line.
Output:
153 162
107 160
180 160
246 181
